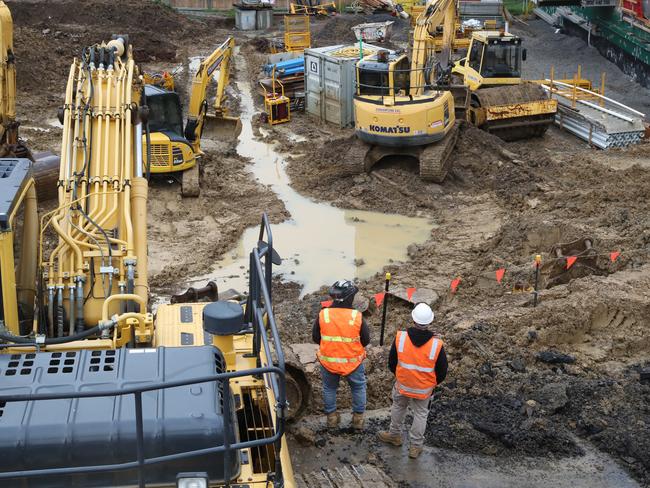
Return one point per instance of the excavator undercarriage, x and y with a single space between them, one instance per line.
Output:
434 159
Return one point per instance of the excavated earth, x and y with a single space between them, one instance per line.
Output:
544 383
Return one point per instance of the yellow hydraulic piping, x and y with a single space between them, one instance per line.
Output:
123 297
128 162
78 267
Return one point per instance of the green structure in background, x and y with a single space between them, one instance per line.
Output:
619 34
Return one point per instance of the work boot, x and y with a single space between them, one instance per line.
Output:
388 438
415 451
357 421
333 420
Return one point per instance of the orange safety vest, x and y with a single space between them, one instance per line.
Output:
340 349
416 366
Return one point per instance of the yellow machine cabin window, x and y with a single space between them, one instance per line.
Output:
502 59
475 55
401 76
165 113
373 80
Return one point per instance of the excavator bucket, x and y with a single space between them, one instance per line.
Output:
221 127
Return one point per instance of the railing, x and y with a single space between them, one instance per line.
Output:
384 89
259 315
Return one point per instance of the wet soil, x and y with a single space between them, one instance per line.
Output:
502 204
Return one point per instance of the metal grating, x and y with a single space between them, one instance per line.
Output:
20 365
255 423
62 362
6 167
102 361
160 155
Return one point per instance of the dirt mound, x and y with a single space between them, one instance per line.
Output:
338 29
48 35
124 14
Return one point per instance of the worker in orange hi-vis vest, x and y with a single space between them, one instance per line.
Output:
342 334
417 359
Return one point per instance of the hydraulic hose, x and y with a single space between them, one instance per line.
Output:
52 340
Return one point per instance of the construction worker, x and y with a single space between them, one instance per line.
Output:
417 359
342 334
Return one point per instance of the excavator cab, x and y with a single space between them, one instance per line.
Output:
493 58
385 74
170 150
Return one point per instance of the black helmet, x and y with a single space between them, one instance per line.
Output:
343 290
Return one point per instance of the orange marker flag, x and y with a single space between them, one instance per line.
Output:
326 303
409 293
614 255
379 298
454 284
570 260
500 273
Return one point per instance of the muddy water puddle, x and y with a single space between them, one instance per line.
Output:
320 243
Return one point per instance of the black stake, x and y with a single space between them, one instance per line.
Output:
538 260
383 313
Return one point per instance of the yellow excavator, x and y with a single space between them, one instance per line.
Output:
501 102
95 391
402 107
11 145
173 148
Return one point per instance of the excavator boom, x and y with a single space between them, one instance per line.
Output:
200 121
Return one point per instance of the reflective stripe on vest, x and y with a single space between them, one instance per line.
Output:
341 360
339 339
415 367
417 391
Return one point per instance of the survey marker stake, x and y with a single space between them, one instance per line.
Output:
383 313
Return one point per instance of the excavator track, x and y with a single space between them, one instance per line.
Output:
354 161
517 125
190 182
346 476
435 160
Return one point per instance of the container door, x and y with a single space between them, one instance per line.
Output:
334 89
313 85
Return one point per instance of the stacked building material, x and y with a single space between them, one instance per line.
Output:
601 121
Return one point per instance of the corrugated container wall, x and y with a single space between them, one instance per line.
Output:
330 83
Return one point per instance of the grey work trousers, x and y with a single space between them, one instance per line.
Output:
420 411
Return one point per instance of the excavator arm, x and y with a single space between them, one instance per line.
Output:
7 78
436 13
198 116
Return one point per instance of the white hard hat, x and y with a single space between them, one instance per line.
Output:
422 314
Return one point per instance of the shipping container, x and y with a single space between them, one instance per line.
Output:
244 19
330 77
264 18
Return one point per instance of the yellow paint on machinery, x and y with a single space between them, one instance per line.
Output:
397 108
501 102
177 148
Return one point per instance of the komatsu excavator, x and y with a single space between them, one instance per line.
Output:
10 142
402 107
174 148
95 391
501 102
